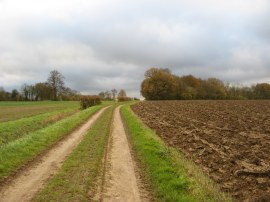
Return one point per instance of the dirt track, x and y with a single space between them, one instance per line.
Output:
229 139
120 179
30 181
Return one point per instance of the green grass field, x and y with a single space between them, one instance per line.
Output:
10 111
12 130
19 150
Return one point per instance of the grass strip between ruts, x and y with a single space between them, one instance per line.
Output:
170 175
77 175
17 153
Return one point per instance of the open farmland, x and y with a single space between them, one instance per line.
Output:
229 139
78 155
10 111
22 139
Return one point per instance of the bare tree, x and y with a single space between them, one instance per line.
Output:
56 82
122 93
108 95
27 91
114 92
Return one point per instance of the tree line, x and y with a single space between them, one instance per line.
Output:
114 94
52 89
161 84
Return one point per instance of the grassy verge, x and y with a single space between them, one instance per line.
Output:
77 175
171 176
17 153
12 130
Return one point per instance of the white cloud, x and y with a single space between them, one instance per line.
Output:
107 44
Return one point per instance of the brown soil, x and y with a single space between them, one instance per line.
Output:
120 182
26 184
229 139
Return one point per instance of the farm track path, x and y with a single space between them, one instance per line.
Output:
31 180
121 181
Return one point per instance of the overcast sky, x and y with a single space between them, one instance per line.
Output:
105 44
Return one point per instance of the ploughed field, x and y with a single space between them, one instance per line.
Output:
230 140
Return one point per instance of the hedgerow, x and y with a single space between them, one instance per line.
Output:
89 101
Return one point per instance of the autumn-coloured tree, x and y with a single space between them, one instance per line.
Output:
262 91
215 89
159 84
192 88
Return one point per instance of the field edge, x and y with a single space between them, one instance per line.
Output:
171 176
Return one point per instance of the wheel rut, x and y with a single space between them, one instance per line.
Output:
30 181
120 182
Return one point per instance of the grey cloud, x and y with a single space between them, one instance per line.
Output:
101 46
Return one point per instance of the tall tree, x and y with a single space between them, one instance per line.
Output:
159 84
14 94
102 95
56 82
262 91
215 89
108 95
43 91
70 95
114 92
122 93
27 91
2 94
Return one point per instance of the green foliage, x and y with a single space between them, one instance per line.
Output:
262 91
89 101
215 89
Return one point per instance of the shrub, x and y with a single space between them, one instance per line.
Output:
89 101
124 98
